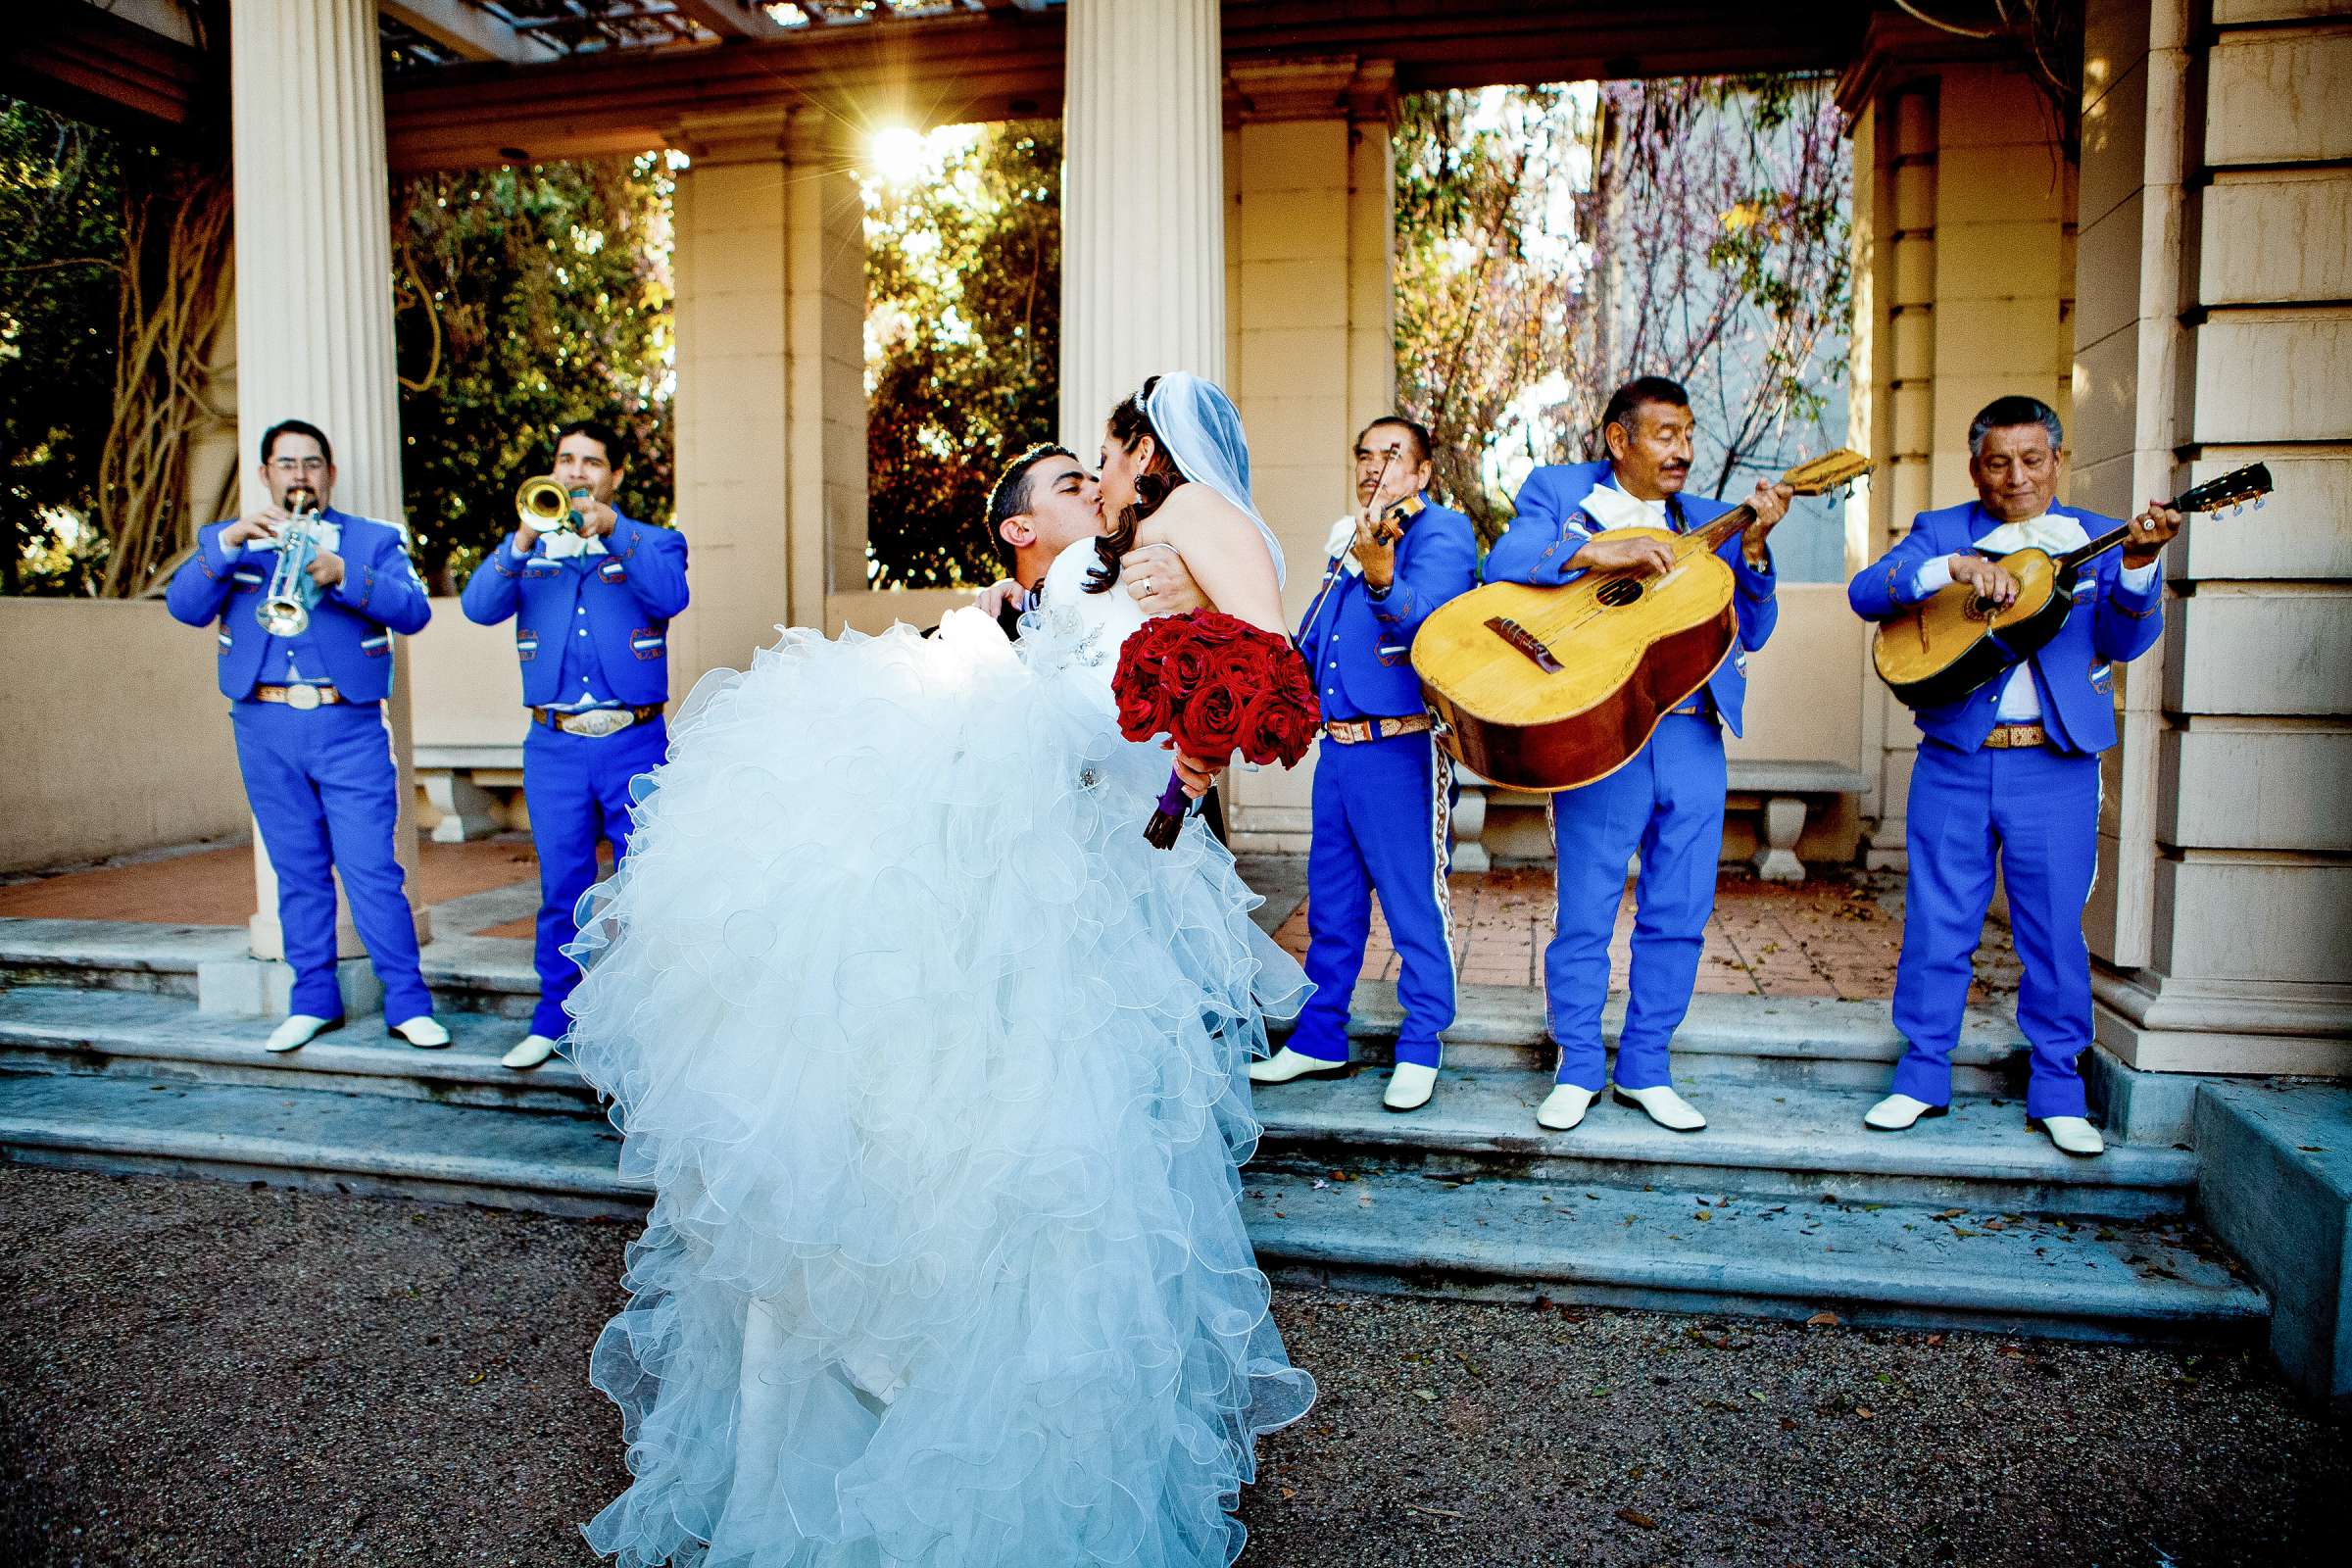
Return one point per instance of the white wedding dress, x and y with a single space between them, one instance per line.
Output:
937 1070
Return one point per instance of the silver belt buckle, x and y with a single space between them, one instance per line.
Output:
302 699
598 722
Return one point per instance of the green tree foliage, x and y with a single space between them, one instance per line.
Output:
963 318
528 296
62 193
1554 242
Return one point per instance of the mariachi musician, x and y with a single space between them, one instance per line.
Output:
1667 802
592 593
2011 769
308 599
1383 790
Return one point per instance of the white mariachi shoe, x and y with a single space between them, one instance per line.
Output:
2074 1135
1898 1112
1286 1064
1564 1106
1409 1086
298 1031
424 1031
1667 1108
534 1050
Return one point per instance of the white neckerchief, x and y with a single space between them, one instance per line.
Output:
2051 532
1613 508
1342 544
562 546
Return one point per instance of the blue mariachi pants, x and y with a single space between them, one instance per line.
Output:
577 788
1667 806
2037 809
326 793
1380 817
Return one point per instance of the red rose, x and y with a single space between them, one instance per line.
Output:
1143 712
1240 665
1277 729
1213 628
1210 724
1184 668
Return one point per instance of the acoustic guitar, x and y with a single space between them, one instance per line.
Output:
1551 688
1955 640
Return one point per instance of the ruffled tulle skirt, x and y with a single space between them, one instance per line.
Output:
937 1072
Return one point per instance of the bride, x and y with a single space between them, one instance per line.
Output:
936 1069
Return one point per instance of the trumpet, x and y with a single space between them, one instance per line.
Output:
544 505
285 609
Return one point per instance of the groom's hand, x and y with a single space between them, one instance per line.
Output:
1156 578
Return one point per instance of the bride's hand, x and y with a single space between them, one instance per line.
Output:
1196 776
992 600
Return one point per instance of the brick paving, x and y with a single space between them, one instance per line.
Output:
1835 935
215 886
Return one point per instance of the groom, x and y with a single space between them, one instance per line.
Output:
1042 502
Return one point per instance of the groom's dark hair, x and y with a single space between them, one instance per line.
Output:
1010 497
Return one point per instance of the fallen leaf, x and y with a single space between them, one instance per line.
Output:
1442 1513
1288 1492
1787 1425
1635 1516
1424 1396
1934 1339
1952 1214
1704 1215
1822 1320
1864 1411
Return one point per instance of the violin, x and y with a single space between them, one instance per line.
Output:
1389 526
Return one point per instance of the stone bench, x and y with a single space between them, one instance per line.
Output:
458 781
1781 793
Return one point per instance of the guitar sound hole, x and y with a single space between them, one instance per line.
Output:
1618 592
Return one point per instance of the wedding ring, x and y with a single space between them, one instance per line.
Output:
1143 585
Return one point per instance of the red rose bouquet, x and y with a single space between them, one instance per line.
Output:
1214 684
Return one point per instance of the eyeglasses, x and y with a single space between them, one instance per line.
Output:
298 465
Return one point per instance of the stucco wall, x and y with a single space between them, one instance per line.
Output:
116 738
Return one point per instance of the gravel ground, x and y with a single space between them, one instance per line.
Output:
200 1374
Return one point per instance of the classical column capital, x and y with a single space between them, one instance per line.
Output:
734 137
1314 87
1372 93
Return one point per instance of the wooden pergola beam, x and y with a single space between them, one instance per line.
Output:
732 19
999 64
468 32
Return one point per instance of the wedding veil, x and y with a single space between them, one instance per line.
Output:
1203 431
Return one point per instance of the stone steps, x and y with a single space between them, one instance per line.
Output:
1794 1138
1390 1228
1805 1040
1676 1249
1761 1139
58 1029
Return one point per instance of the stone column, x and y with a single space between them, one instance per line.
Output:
1143 271
1964 292
771 267
2217 251
1311 169
314 248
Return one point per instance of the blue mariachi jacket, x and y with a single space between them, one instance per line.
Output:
1551 527
2109 623
629 595
1357 645
351 626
